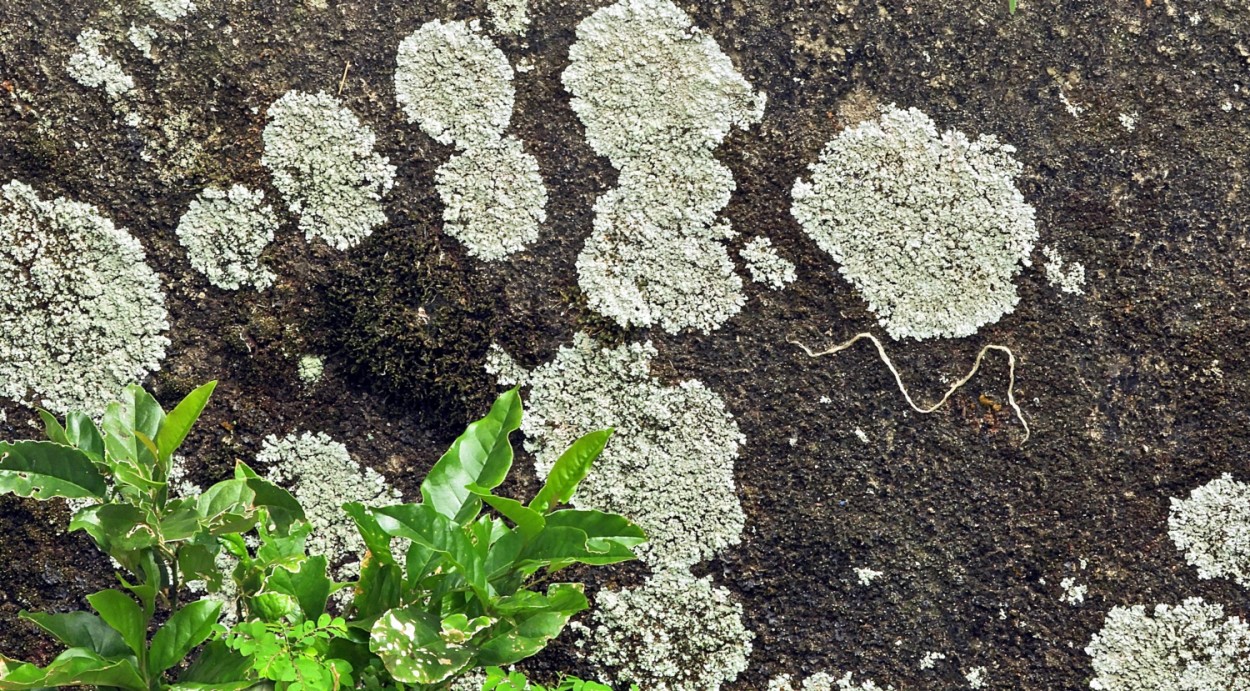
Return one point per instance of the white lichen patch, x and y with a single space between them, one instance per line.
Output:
81 312
673 633
505 370
311 369
457 86
94 68
823 681
225 233
1188 647
323 162
454 83
930 659
509 16
171 10
1212 528
928 226
670 463
866 576
1066 276
765 265
657 95
142 38
321 474
1073 592
494 199
976 678
847 683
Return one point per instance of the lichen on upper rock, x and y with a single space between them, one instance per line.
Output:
225 232
457 86
81 312
509 16
323 162
1212 528
928 226
657 95
92 67
765 265
454 83
675 632
171 10
494 198
670 464
1187 647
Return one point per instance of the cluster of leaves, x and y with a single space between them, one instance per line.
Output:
499 680
444 588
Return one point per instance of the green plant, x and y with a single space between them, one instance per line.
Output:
119 470
499 680
443 589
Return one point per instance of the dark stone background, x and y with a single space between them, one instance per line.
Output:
1117 384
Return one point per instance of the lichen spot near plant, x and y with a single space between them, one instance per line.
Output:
81 312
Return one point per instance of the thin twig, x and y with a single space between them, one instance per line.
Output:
343 81
1011 369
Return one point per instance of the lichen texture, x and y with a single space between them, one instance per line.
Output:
225 232
81 312
1187 647
92 67
321 474
765 265
675 632
323 162
1212 528
171 10
657 252
928 226
670 464
1068 277
457 86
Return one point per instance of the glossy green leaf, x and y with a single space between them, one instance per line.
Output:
82 433
309 585
481 456
602 529
115 527
178 422
216 665
284 510
121 612
186 628
410 644
81 630
529 522
74 667
569 470
44 469
136 411
53 429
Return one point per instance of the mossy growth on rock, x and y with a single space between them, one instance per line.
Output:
408 321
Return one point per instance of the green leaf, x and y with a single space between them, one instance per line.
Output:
529 635
74 667
121 612
569 470
602 529
410 644
284 510
53 429
309 585
425 525
137 411
178 422
481 456
44 469
81 630
216 664
116 527
563 545
187 628
83 434
529 522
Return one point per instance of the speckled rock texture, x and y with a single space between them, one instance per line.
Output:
1130 123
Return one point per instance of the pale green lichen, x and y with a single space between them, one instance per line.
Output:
321 474
142 38
675 632
92 67
225 233
457 86
1212 528
509 16
311 369
823 681
81 312
171 10
765 265
1066 276
323 162
928 226
1187 647
657 254
670 464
